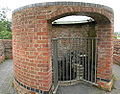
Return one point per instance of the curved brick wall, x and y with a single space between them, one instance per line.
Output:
32 42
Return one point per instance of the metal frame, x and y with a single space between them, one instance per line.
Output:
74 59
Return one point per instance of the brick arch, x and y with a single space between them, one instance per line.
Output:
99 15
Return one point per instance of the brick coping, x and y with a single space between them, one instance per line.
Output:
64 3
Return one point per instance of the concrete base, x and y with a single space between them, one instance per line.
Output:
106 85
21 90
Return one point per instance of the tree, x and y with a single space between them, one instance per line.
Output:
5 24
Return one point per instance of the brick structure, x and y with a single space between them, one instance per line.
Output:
73 29
116 52
2 55
5 49
32 26
8 48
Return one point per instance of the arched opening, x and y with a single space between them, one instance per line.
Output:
89 41
74 46
65 27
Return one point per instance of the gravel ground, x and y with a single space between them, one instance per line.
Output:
6 77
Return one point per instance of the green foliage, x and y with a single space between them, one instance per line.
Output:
115 37
5 25
6 58
5 35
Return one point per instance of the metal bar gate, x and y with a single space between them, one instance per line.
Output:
74 59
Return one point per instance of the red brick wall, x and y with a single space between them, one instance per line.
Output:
116 53
32 41
71 30
2 55
105 54
5 49
8 48
74 31
31 50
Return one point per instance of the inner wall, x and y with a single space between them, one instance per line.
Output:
73 30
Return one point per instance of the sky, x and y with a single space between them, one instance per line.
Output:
114 4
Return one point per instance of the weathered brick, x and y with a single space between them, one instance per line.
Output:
42 33
32 33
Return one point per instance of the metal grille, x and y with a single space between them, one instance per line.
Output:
74 59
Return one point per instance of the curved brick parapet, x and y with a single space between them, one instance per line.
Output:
32 35
47 4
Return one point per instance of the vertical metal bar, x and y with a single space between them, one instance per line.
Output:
82 56
95 58
67 60
85 59
58 59
88 60
74 65
92 69
77 61
77 43
55 63
74 54
84 68
63 67
60 70
80 62
78 65
70 59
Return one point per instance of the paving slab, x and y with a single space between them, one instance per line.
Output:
84 88
6 78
